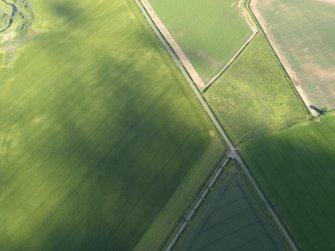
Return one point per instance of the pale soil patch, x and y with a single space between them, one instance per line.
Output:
332 89
233 4
7 36
293 75
327 1
12 43
319 71
206 58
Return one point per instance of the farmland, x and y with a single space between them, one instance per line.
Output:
98 132
209 32
295 167
254 93
231 219
104 145
303 31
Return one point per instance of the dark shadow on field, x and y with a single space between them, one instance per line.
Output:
297 174
122 137
69 11
231 219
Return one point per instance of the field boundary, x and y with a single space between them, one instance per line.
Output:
231 61
282 59
253 27
232 151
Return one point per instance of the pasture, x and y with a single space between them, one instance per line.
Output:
304 33
296 169
230 219
209 32
254 94
98 132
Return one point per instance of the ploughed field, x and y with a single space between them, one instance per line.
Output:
98 130
209 32
296 169
304 32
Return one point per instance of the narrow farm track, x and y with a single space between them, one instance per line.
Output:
233 151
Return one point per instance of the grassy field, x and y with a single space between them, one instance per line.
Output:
98 132
304 32
209 32
295 167
231 219
254 93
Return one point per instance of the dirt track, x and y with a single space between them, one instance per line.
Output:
177 50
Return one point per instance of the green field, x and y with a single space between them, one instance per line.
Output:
304 32
98 132
209 32
254 93
230 219
296 169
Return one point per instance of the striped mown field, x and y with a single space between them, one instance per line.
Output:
98 132
296 169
